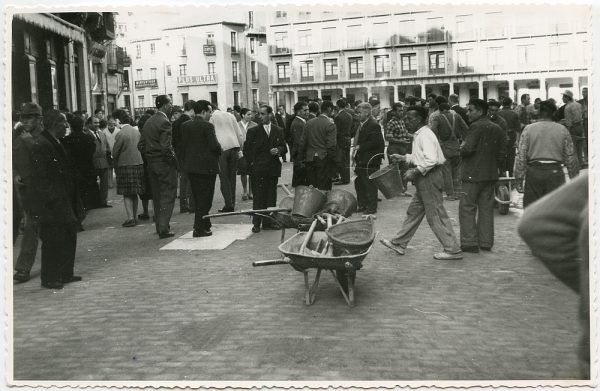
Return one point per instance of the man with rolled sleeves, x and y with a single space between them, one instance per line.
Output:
484 153
156 146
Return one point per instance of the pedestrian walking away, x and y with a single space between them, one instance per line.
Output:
427 159
297 130
343 128
186 202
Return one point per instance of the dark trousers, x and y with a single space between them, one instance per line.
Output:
319 173
59 241
511 153
228 162
264 189
186 199
452 175
541 180
342 162
29 244
103 174
366 191
203 191
163 181
18 214
476 214
299 176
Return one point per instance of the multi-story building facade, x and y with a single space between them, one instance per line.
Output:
65 61
475 51
222 62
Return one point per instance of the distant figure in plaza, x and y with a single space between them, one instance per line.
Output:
81 147
186 202
556 228
110 132
102 154
343 128
525 111
24 137
57 204
513 127
99 113
245 123
282 119
146 197
200 152
428 158
483 154
155 144
313 110
318 148
544 148
368 143
237 112
457 108
263 147
584 111
231 139
398 138
573 120
297 130
130 167
449 127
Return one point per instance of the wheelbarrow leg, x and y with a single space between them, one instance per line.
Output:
335 277
350 277
311 290
282 234
307 286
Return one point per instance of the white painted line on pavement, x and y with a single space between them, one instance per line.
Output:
223 235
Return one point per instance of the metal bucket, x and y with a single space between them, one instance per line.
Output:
307 201
388 181
342 202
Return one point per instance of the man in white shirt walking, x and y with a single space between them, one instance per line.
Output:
231 139
427 202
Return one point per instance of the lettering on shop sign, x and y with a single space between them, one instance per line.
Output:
197 80
146 83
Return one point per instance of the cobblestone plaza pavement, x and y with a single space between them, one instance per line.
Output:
145 314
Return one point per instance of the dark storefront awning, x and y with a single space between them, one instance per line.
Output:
52 23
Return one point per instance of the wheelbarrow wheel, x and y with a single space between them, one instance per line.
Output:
503 195
342 277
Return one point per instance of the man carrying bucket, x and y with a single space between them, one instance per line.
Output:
427 202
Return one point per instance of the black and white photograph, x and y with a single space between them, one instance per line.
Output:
280 194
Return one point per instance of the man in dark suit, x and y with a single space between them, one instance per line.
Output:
282 119
368 143
263 147
101 156
297 130
186 203
155 145
199 157
343 125
318 148
55 202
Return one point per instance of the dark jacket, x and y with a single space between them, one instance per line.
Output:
156 143
483 151
283 123
370 141
513 124
343 126
462 112
200 150
319 138
176 141
257 150
56 198
297 130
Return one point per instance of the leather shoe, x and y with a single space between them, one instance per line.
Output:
484 248
71 279
53 285
444 256
21 276
470 249
143 216
226 209
256 229
201 233
164 235
129 223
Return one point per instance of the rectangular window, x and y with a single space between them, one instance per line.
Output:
495 58
138 51
382 66
559 53
437 63
331 69
127 102
184 97
409 64
465 61
236 98
494 25
307 71
355 36
283 72
153 48
138 74
304 39
54 81
435 29
328 38
141 101
356 68
234 71
252 45
281 42
380 34
183 47
254 70
210 38
234 43
168 70
152 73
213 98
525 55
211 68
406 31
154 97
464 28
182 70
255 97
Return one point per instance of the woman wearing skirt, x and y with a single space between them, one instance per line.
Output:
129 166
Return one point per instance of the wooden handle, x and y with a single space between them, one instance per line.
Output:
284 261
308 236
248 212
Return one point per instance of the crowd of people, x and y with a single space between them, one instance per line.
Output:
64 163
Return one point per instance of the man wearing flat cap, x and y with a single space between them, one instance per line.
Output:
573 121
157 147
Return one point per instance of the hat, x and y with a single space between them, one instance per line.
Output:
31 109
568 93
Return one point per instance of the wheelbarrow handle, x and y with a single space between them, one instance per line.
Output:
247 212
284 261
